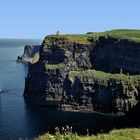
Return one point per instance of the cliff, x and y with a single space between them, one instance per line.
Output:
30 54
89 72
114 55
99 91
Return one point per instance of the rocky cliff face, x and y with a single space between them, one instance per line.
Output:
30 54
115 55
62 73
58 56
109 93
57 49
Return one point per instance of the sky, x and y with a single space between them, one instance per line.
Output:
38 18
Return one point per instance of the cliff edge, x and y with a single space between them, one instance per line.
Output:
88 72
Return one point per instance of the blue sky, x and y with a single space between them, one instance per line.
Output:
37 18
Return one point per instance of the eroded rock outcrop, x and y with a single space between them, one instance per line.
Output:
30 54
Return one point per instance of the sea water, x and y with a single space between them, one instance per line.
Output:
16 119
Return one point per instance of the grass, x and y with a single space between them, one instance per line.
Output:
103 76
55 66
132 35
35 58
97 75
123 134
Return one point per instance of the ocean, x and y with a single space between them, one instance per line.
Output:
17 119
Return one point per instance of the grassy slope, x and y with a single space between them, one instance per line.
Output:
132 35
103 76
55 66
126 134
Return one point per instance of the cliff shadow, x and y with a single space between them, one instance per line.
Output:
46 119
130 120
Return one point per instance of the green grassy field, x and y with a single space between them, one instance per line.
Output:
132 35
123 134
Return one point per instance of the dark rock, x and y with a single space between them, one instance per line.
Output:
94 95
49 77
130 119
112 55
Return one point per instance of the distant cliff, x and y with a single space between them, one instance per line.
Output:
91 72
30 54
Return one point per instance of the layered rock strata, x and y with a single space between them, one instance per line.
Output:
62 73
92 90
116 55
